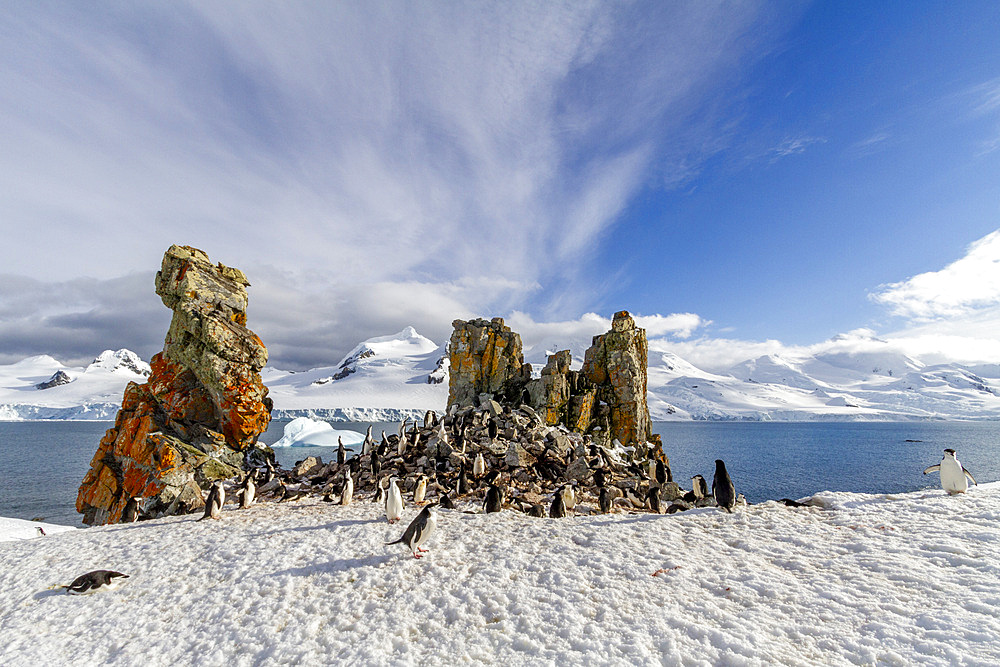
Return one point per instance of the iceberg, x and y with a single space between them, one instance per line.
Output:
306 432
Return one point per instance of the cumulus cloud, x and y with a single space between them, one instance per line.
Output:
965 285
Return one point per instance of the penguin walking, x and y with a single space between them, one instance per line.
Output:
494 499
722 487
216 499
558 508
92 582
247 492
420 490
393 502
131 512
954 477
419 530
347 495
604 500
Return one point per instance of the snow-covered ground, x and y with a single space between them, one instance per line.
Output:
906 579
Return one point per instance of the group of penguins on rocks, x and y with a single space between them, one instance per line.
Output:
499 456
954 480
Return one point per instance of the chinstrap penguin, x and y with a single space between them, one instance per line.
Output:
94 581
954 477
419 530
722 487
216 499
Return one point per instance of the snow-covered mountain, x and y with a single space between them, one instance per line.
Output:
43 388
389 378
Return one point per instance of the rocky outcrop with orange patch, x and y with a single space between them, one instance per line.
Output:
201 411
485 358
616 366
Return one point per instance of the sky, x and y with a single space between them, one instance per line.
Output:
748 177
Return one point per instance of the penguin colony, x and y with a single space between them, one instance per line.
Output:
496 457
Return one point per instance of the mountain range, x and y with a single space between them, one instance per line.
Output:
389 378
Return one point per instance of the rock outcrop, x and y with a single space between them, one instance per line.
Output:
200 413
605 399
485 358
616 365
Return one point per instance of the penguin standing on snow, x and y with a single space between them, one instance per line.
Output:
558 508
604 500
953 474
699 486
216 499
653 500
247 492
94 581
420 490
379 496
393 502
419 530
131 512
347 495
446 502
494 499
722 487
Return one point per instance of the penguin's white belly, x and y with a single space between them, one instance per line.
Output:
953 478
428 529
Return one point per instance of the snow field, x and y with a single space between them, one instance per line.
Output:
904 579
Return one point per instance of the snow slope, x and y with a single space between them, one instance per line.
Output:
383 379
909 579
94 392
391 378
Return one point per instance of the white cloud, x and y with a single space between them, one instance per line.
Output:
393 152
966 285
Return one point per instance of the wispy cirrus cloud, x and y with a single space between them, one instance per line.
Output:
392 150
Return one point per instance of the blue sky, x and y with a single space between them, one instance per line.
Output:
750 177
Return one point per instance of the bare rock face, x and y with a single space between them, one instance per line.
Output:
616 365
485 358
202 408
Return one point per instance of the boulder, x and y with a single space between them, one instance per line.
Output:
198 416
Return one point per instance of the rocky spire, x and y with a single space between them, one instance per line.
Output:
485 358
202 408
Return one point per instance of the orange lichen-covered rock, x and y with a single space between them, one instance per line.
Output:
485 358
202 408
616 365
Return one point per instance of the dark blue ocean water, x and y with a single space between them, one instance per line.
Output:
42 463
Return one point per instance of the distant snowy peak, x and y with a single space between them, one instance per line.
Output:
119 361
407 346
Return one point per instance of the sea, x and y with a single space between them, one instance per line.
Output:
42 463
